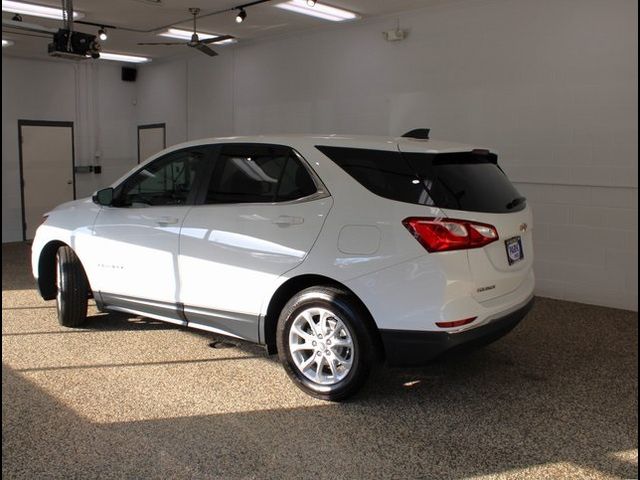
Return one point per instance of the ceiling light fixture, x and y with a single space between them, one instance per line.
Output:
6 43
102 34
242 14
35 10
318 10
311 3
119 57
186 35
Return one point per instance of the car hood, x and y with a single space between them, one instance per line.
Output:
72 204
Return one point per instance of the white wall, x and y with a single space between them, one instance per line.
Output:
90 95
549 84
162 98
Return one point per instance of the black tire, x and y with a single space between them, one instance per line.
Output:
357 322
72 289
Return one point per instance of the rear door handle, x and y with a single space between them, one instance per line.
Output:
285 220
164 221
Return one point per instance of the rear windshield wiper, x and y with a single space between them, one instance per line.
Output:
515 202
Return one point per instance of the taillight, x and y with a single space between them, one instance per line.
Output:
444 234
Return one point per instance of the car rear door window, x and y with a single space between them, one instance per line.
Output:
252 173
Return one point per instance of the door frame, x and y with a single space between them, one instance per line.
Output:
42 123
150 126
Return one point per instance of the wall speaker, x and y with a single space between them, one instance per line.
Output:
129 74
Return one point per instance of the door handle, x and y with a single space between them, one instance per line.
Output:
286 220
164 221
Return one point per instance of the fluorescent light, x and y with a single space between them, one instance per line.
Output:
319 10
226 42
186 35
35 10
119 57
6 43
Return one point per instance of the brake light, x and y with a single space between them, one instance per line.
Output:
444 234
456 323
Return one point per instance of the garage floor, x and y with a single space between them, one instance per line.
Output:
128 397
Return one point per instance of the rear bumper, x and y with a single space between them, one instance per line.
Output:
412 348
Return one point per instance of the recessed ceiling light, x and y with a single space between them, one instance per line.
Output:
186 35
6 43
35 10
318 10
119 57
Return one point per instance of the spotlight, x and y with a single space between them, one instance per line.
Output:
311 3
241 16
102 34
17 17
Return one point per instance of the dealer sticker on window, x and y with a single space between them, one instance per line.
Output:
514 249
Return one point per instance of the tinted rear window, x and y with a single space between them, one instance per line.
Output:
254 173
470 181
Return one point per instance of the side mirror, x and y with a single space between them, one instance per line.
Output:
104 197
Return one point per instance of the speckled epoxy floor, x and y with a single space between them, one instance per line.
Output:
132 398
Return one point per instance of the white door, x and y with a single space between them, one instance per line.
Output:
47 170
151 140
136 239
261 214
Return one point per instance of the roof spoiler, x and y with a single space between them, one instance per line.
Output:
418 133
492 157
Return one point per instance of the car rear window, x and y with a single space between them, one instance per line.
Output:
470 181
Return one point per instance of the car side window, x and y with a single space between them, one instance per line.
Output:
166 181
295 181
246 173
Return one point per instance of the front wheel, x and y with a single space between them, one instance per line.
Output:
324 343
73 289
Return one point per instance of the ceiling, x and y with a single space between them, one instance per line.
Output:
263 20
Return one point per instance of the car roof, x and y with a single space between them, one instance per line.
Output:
350 141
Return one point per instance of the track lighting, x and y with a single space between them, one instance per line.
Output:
17 17
102 34
242 14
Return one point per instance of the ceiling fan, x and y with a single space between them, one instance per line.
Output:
195 41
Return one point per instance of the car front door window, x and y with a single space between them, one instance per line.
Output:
166 181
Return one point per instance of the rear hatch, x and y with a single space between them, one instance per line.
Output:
471 186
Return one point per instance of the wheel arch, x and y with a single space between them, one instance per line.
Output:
296 284
47 269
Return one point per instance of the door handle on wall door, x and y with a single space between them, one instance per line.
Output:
285 220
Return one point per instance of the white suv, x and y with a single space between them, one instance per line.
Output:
334 251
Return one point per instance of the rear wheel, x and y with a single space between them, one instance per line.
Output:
73 289
324 343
